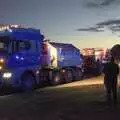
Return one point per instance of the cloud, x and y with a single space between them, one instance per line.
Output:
115 29
99 3
107 2
109 23
91 29
112 25
92 5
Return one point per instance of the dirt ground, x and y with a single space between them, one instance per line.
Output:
65 102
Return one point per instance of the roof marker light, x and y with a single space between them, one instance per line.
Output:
22 58
17 57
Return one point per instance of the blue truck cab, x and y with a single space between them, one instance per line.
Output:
20 56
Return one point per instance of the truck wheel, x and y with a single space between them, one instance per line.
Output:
56 78
78 74
69 76
27 82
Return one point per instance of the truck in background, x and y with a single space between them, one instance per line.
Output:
63 63
26 60
92 61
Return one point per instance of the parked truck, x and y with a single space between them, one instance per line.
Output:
61 62
92 62
26 60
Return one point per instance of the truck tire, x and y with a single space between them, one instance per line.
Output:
27 82
78 74
56 78
69 76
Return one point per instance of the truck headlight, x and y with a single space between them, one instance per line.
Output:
7 75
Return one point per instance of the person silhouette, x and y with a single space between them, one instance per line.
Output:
111 71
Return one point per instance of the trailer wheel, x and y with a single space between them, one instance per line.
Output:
79 74
56 78
68 76
27 82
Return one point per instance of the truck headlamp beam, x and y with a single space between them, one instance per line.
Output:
7 75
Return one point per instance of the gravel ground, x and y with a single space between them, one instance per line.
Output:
73 101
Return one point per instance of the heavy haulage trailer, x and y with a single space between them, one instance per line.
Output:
27 60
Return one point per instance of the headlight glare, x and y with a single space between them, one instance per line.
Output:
1 60
7 75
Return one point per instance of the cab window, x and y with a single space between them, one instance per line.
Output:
23 46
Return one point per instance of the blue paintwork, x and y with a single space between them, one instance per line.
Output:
23 59
68 55
23 34
20 62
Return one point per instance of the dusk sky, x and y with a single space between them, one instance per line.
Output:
84 23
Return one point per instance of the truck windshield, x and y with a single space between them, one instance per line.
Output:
4 44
